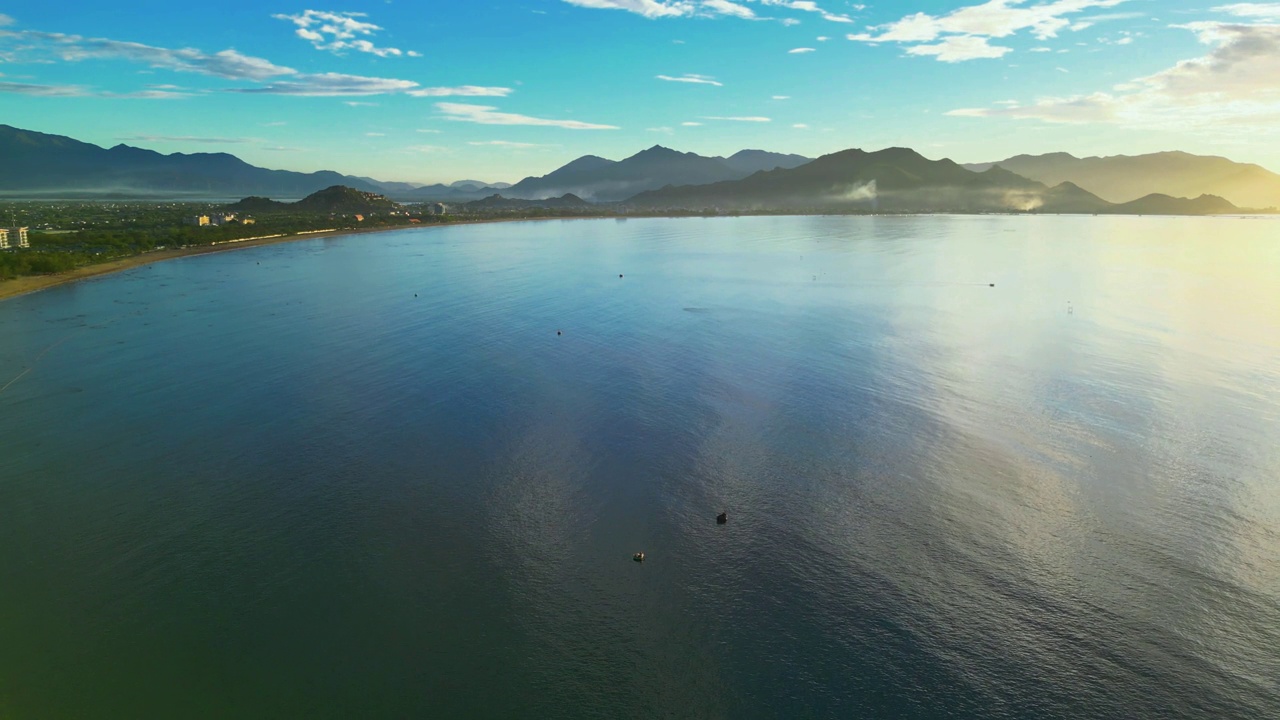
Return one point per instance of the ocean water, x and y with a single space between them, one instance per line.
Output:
974 467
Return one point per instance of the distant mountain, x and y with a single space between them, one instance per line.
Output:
1157 204
747 162
36 163
336 200
567 201
897 180
1123 178
477 185
601 180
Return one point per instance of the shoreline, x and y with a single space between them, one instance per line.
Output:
28 284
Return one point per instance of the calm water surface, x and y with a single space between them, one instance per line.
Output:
364 477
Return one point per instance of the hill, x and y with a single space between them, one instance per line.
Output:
38 163
568 201
1124 178
1157 204
336 200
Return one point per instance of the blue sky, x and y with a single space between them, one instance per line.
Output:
500 89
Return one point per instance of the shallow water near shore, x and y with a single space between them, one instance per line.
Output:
974 467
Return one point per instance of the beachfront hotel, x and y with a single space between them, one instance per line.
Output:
14 237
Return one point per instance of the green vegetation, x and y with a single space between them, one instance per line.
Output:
65 236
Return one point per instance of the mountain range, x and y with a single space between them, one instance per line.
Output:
902 180
1124 178
600 180
37 164
894 180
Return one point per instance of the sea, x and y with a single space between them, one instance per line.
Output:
971 466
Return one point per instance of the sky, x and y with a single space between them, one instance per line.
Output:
496 90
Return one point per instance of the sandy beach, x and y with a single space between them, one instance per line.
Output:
34 283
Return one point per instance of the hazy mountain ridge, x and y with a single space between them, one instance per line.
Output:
602 180
1126 178
36 162
902 180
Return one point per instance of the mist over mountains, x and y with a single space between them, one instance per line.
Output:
659 178
1124 178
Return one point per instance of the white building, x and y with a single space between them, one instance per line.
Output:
14 237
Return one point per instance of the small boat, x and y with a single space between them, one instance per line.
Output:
722 518
638 557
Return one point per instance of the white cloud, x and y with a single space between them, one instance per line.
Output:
358 103
508 144
960 48
332 85
710 8
690 124
1253 11
800 50
751 119
339 31
427 148
461 91
1236 84
800 126
781 97
429 131
647 8
485 115
5 20
44 90
38 90
188 139
375 134
228 64
665 130
690 78
964 33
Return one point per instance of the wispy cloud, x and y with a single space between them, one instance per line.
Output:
711 8
692 79
1252 11
188 139
339 31
690 123
486 115
461 91
965 34
750 119
801 50
5 20
227 64
38 90
509 144
332 85
1236 84
44 90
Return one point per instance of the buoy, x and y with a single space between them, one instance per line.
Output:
619 274
638 557
559 333
993 284
722 518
